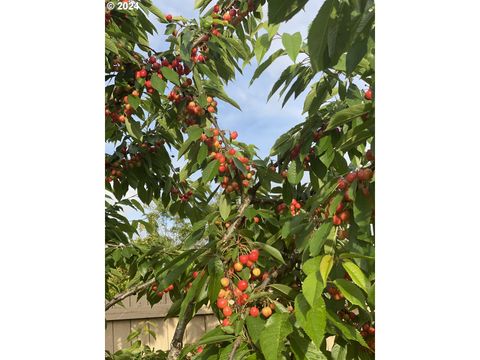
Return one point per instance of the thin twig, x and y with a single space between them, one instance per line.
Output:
236 344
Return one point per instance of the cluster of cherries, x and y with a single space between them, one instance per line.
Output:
363 175
368 333
335 293
183 197
231 14
235 291
295 207
160 294
129 160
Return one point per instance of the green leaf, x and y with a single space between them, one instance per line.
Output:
263 66
303 348
170 74
271 250
316 321
284 289
194 132
295 172
357 275
348 114
134 101
362 209
301 309
311 265
261 46
134 129
272 339
348 331
210 171
110 44
292 44
255 326
318 238
313 286
318 35
224 207
158 84
351 292
281 10
326 266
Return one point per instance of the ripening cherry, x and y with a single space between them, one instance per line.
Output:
256 219
242 285
227 311
256 272
225 282
216 8
233 135
369 155
351 176
195 274
199 349
222 168
249 264
143 73
365 174
170 287
342 184
238 266
336 220
169 17
368 94
254 311
148 84
227 16
222 303
345 216
226 322
243 259
232 151
266 311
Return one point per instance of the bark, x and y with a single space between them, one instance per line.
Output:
177 341
128 293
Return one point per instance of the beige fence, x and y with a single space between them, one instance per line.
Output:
121 320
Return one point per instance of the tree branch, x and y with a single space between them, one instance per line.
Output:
177 341
128 293
236 344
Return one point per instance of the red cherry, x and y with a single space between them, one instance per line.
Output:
199 349
195 274
233 135
336 220
256 219
351 176
226 322
253 256
227 311
243 259
254 311
242 285
216 8
222 303
368 94
342 184
222 168
152 59
169 17
345 216
148 84
232 151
